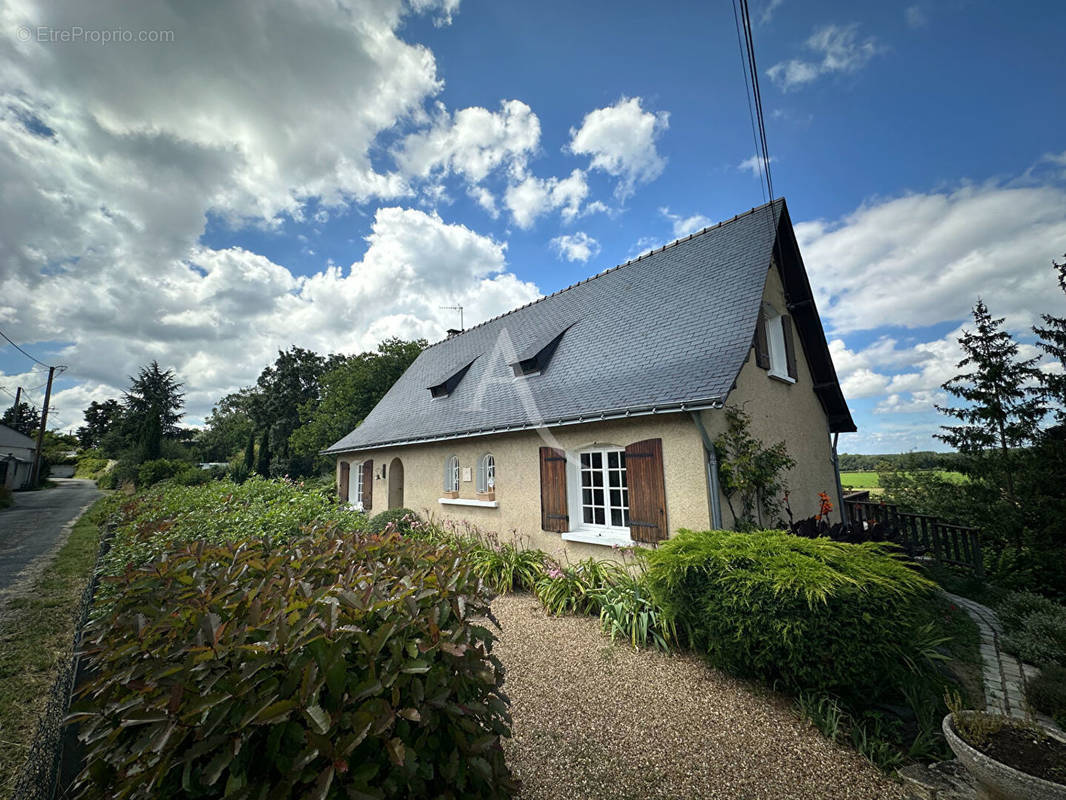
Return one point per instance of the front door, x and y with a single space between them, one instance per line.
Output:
396 484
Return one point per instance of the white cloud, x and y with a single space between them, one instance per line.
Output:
532 196
620 140
472 142
924 259
112 158
576 247
682 225
837 48
768 10
754 165
916 17
918 402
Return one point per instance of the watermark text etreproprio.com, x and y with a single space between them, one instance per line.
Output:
76 34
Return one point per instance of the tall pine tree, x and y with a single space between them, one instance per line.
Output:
1053 342
1003 399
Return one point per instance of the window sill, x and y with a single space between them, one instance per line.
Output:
456 501
619 539
782 378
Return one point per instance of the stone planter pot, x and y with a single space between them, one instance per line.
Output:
995 780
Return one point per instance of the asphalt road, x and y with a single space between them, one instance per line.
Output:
31 527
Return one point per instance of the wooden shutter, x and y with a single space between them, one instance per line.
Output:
368 484
790 345
647 491
554 514
762 347
342 488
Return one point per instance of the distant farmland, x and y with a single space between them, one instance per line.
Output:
868 480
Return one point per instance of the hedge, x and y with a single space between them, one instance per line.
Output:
338 666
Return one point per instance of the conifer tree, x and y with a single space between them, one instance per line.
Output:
263 465
1053 342
1002 395
249 451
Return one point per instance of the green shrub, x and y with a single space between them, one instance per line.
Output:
576 588
336 666
628 611
507 567
1047 693
194 476
217 512
396 519
1013 609
240 472
152 472
124 472
1041 640
90 467
810 614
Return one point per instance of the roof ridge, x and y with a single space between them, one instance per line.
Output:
609 270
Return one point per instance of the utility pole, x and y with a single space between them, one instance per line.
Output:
18 399
44 422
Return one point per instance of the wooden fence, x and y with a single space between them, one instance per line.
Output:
921 535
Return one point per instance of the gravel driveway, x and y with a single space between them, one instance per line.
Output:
596 720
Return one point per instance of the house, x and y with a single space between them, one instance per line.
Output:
16 458
586 418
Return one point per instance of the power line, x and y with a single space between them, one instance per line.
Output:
742 18
31 358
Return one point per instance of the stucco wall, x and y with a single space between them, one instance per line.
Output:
518 476
785 412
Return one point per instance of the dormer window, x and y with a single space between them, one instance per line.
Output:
536 357
447 386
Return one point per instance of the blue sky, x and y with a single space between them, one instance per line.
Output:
327 175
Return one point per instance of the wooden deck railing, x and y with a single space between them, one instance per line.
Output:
920 535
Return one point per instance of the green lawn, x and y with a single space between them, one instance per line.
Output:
36 635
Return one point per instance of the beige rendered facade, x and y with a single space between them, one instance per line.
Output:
779 408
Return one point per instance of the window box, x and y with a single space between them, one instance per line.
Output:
455 501
450 495
489 495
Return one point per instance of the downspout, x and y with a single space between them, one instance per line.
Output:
713 489
836 474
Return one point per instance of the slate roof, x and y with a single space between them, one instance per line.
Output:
668 331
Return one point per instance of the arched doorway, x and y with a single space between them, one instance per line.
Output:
396 484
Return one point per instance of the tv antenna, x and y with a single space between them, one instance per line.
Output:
455 308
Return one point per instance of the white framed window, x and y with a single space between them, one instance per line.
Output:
604 497
777 344
451 474
355 484
486 473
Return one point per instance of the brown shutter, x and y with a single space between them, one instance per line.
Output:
762 347
790 345
368 484
554 515
647 491
342 488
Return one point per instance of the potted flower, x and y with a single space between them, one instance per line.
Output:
1008 759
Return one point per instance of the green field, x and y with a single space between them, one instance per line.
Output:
868 480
